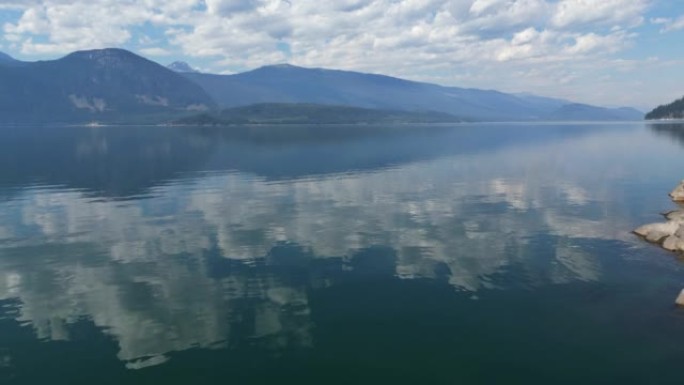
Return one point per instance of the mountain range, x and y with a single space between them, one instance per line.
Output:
291 84
115 85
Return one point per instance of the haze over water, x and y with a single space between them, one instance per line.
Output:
454 254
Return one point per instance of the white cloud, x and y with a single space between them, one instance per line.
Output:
228 7
70 26
248 32
669 24
591 42
155 51
501 16
481 6
525 36
570 13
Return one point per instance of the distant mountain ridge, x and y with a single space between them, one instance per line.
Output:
103 85
292 84
6 58
115 85
578 111
674 110
181 66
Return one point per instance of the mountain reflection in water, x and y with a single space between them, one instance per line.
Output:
169 239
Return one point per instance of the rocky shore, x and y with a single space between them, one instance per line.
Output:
669 234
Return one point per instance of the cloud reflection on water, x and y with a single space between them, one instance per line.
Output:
211 259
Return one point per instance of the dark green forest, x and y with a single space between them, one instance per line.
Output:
302 113
674 110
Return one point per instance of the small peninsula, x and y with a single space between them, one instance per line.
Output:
674 110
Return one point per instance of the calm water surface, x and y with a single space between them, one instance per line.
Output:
465 254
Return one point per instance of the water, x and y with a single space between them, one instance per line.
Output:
463 254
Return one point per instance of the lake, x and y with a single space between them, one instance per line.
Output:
445 254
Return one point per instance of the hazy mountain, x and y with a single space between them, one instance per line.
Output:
576 111
290 84
181 66
116 85
541 101
674 110
5 58
103 85
8 61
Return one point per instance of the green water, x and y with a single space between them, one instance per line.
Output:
456 254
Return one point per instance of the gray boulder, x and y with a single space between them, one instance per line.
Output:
677 194
673 243
669 235
656 232
675 215
680 299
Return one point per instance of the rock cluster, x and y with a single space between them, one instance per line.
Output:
669 234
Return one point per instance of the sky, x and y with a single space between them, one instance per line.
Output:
604 52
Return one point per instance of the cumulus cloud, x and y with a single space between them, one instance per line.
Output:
155 51
70 26
56 26
348 33
591 42
669 24
228 7
569 13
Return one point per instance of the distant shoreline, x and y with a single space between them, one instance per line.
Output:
442 124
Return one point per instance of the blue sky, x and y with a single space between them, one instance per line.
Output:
606 52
